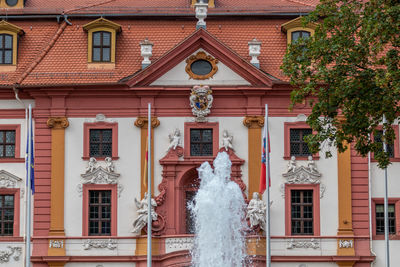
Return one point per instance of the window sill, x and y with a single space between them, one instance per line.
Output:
8 68
12 160
99 158
11 239
101 66
382 237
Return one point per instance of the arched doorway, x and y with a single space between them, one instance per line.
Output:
189 186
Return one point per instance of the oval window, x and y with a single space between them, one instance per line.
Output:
11 2
201 67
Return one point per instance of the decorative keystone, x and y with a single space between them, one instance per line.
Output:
146 49
201 14
254 52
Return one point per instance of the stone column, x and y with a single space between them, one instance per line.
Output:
57 245
255 124
345 244
142 123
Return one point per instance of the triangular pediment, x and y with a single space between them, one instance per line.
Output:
8 180
179 76
170 69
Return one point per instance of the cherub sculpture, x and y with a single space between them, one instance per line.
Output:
109 164
292 165
174 139
91 165
311 165
227 140
256 211
142 207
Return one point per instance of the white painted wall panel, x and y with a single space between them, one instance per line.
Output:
178 76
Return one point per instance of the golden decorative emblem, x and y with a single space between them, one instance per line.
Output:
201 56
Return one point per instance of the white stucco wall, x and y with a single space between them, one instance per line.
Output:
328 169
128 166
378 191
18 168
13 260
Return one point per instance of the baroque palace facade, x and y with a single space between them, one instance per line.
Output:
89 68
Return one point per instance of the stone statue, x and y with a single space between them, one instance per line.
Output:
256 211
109 164
91 165
174 140
227 140
142 207
311 165
292 165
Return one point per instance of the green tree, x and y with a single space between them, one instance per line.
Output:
348 72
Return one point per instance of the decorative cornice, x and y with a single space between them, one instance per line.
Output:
142 122
57 122
253 121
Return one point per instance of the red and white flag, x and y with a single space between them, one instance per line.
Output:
264 161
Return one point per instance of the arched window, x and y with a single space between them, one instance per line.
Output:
300 34
101 46
6 49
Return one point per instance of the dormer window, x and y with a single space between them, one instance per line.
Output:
6 48
102 35
295 30
101 46
8 45
300 34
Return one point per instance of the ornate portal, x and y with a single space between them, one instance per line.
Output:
201 101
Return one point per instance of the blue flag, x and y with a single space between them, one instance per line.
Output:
32 174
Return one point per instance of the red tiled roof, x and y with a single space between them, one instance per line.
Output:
159 6
66 61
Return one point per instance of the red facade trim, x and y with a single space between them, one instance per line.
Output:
316 207
201 125
396 202
100 125
17 129
17 208
286 136
85 207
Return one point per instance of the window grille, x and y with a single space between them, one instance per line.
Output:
201 142
100 143
7 143
100 212
380 219
302 218
298 147
6 215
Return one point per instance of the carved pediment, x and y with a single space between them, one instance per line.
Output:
302 175
8 180
100 176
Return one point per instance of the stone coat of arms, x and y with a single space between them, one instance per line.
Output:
201 101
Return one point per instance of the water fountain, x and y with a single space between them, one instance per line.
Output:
219 210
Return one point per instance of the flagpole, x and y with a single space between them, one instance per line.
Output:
149 218
29 193
267 162
385 206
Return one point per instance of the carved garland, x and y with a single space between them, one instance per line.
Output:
201 56
6 254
